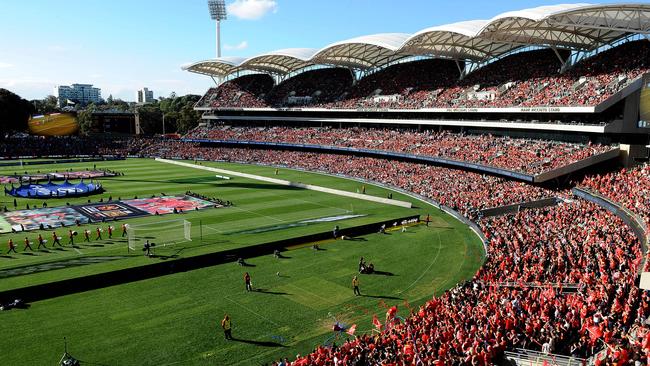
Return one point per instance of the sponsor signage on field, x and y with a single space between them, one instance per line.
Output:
109 211
66 216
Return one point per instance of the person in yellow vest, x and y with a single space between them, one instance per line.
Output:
226 324
355 286
87 235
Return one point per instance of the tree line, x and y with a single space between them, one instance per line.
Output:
179 112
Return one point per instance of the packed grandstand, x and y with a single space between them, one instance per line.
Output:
561 278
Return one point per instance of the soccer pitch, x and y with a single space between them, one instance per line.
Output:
174 319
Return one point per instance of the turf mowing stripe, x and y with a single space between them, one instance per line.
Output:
428 268
251 311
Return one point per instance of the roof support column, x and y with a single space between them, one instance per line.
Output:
460 70
565 64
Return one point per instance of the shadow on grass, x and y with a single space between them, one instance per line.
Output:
357 239
382 297
265 291
7 256
383 273
30 253
259 343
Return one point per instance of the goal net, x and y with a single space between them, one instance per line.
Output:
162 233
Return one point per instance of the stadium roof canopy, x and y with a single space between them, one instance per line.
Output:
456 40
281 61
571 26
218 67
363 52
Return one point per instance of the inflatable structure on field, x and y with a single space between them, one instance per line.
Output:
53 190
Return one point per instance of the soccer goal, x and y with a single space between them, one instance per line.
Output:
162 233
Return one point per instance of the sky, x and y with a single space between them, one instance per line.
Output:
121 46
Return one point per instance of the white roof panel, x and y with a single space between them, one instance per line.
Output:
580 26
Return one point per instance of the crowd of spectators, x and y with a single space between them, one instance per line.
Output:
524 79
408 85
628 187
516 154
67 146
594 79
311 87
248 91
518 298
463 191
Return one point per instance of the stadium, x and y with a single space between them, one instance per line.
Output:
475 193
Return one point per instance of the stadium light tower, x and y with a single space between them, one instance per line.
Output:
218 13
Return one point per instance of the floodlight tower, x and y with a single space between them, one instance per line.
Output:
218 13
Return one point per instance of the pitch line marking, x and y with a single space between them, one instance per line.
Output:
428 268
311 293
259 214
251 311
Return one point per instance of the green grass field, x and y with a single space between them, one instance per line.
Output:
174 319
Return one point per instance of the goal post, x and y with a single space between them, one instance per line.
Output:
161 233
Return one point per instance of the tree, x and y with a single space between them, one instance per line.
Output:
46 105
14 112
85 118
150 119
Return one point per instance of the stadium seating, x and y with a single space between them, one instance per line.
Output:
524 79
628 187
517 299
245 91
405 85
311 87
521 155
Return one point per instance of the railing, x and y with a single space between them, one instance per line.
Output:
636 223
525 357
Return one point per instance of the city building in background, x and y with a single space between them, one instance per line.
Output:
82 94
144 96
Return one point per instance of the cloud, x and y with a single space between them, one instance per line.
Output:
239 46
6 65
252 9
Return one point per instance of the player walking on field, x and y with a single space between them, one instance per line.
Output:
41 242
123 230
227 327
110 232
70 237
87 235
28 245
247 280
55 239
99 234
12 247
355 286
